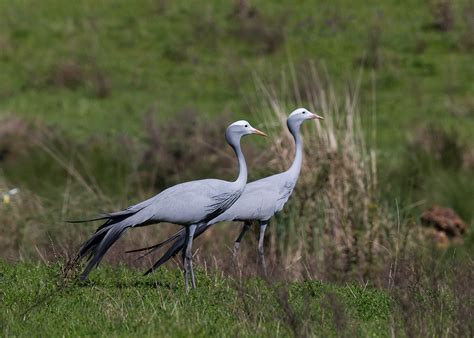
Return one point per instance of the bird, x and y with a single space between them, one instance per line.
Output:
190 204
260 200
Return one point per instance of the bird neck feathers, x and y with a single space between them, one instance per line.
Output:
295 167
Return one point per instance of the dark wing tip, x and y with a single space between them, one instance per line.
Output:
102 217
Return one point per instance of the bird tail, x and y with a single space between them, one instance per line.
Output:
96 246
177 246
112 216
152 248
102 217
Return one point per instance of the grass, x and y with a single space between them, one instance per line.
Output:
104 104
427 297
122 302
176 55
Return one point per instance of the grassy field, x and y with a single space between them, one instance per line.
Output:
91 67
103 104
120 302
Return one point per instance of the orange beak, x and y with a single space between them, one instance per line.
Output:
258 132
314 117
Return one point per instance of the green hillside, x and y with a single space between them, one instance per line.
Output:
99 66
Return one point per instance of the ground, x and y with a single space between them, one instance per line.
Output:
122 302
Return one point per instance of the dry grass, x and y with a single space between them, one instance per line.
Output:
19 225
431 298
334 222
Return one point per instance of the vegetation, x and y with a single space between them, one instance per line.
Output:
104 104
99 67
121 302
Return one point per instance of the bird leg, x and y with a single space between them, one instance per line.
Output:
235 251
183 257
263 226
188 256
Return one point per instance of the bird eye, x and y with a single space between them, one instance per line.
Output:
304 112
246 126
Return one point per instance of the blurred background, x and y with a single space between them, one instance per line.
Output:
103 104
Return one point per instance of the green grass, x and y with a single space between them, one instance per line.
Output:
122 302
188 55
194 56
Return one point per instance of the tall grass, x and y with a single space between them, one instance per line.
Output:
335 224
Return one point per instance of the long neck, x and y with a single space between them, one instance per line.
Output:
295 168
242 178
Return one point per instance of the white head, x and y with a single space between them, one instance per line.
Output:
298 116
302 114
240 128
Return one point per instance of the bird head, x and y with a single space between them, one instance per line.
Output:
241 128
301 114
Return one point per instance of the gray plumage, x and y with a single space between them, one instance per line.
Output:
260 200
189 204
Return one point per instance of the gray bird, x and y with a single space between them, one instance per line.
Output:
260 201
190 204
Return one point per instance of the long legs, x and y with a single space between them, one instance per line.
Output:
245 228
261 255
263 227
188 256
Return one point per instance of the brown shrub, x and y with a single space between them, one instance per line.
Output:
100 83
445 222
9 129
160 6
69 74
467 37
442 13
72 75
444 146
372 57
266 34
